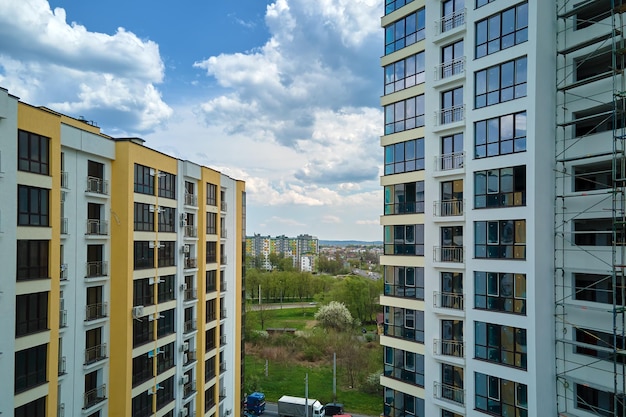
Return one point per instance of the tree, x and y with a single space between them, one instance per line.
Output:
335 316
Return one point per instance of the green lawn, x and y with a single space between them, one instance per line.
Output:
286 317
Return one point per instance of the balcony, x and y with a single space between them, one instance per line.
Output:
450 69
449 161
64 273
97 227
94 396
96 269
223 260
62 366
64 226
191 294
96 311
190 357
223 314
449 393
450 115
189 389
63 318
450 21
190 326
452 254
190 231
449 348
223 234
223 286
191 200
64 180
222 367
191 263
223 340
224 206
61 410
95 353
448 208
97 186
448 300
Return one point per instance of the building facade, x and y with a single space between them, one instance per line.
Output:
127 294
303 250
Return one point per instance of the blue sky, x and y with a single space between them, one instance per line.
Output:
283 94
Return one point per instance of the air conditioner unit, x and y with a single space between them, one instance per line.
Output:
151 244
183 220
183 286
185 248
184 379
184 346
151 208
185 358
152 172
228 412
184 412
137 311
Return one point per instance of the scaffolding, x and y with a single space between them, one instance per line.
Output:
590 207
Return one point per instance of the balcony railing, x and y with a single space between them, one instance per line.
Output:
97 185
191 231
64 180
191 294
449 348
450 115
62 366
95 353
224 206
97 269
190 326
448 254
97 227
222 340
223 233
449 393
451 21
96 311
222 367
450 300
223 286
191 357
64 273
191 200
63 318
61 410
94 396
64 226
223 314
191 263
189 388
445 208
450 68
223 260
450 161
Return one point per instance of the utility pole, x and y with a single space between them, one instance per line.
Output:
306 395
334 377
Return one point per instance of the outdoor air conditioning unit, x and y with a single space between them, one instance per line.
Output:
185 358
137 312
184 412
184 346
184 379
183 220
185 248
183 286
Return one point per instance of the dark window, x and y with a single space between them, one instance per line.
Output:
32 259
500 83
211 281
446 413
500 344
500 239
143 332
391 5
452 60
398 403
165 395
210 339
142 369
404 366
452 379
144 180
144 217
598 64
33 206
500 135
480 3
404 157
499 291
166 286
165 359
451 244
36 408
452 286
143 292
605 343
598 119
596 288
600 403
167 253
404 198
211 194
404 323
167 219
209 398
404 115
31 313
33 153
452 109
451 198
500 397
452 156
95 178
211 252
406 31
142 405
30 367
452 14
165 324
211 310
405 73
404 239
596 176
595 232
594 12
167 185
211 223
143 255
502 30
404 281
504 187
209 369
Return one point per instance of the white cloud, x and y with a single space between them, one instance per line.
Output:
331 219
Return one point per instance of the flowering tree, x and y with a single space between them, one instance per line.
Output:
334 315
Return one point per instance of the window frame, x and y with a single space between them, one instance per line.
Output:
143 217
514 195
490 344
488 138
485 298
167 185
211 194
144 179
492 88
33 205
405 73
33 153
31 313
405 115
494 36
399 200
401 33
33 260
407 156
167 219
498 241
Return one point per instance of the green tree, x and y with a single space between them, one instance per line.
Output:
334 316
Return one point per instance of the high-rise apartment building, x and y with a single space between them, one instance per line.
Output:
303 250
504 215
122 275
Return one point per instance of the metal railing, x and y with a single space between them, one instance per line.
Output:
64 273
223 260
97 227
224 206
449 393
96 311
64 226
97 269
222 340
449 254
191 200
189 388
223 314
97 185
450 115
95 353
64 180
94 396
449 348
222 367
451 21
191 294
449 161
445 208
61 410
450 300
62 366
63 318
450 68
223 286
190 326
191 263
191 231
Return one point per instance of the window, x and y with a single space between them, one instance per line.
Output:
405 73
596 176
500 135
211 310
211 194
404 157
143 255
593 12
36 408
481 3
209 369
404 198
500 291
600 403
404 323
597 64
404 239
142 332
595 232
503 239
143 292
398 403
211 281
452 379
500 344
453 14
165 324
452 156
452 109
504 187
30 367
404 115
500 83
165 395
95 178
166 286
598 119
452 60
31 314
604 341
595 288
452 283
144 180
165 360
33 206
209 398
391 5
451 244
167 253
211 252
446 413
405 32
33 153
32 259
142 405
451 198
209 343
405 282
500 397
211 223
404 366
142 369
144 217
502 30
167 219
167 185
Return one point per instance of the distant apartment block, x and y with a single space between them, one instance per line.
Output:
303 250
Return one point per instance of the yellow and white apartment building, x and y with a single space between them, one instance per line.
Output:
121 276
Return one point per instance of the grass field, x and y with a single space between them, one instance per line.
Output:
297 318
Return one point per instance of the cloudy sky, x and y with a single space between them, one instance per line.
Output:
283 94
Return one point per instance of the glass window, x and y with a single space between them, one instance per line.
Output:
504 187
500 291
500 135
501 30
500 344
503 239
405 31
500 83
404 115
33 206
404 157
144 217
144 180
33 153
498 396
31 313
143 255
30 367
404 240
167 219
405 73
32 259
404 198
167 185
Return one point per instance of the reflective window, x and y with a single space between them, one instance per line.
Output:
504 187
500 397
405 73
500 239
404 115
502 30
405 31
404 198
499 291
404 239
404 157
500 135
500 83
500 344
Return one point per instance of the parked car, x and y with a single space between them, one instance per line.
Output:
333 409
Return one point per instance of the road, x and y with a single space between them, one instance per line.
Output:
271 410
278 306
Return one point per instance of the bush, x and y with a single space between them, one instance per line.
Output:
335 316
371 385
